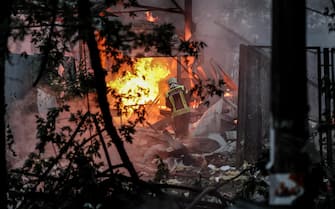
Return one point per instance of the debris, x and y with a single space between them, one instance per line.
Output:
161 124
223 145
227 79
285 188
231 135
212 167
225 168
174 182
218 118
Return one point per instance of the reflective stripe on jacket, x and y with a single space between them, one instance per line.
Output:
176 97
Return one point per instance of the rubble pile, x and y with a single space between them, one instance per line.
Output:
205 149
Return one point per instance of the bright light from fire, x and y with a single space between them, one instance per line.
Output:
227 94
194 104
150 18
141 86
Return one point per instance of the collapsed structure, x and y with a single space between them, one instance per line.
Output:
247 104
146 86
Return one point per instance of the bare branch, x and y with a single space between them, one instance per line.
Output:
177 5
317 11
152 8
210 189
48 45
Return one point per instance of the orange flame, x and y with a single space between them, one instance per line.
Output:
141 86
150 18
195 104
227 94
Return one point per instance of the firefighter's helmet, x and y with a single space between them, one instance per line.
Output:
172 81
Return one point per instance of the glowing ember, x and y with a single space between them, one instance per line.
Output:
227 94
194 104
150 18
141 86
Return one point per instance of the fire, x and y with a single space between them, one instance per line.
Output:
142 85
227 94
194 104
149 17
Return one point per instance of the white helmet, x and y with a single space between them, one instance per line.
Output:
172 81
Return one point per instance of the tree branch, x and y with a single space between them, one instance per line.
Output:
152 8
177 5
42 25
317 11
99 73
5 13
212 188
47 48
104 146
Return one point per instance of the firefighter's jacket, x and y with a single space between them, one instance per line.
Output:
177 100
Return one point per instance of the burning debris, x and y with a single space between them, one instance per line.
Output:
158 139
149 17
141 85
155 142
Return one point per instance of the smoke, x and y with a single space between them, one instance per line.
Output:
22 115
21 120
224 25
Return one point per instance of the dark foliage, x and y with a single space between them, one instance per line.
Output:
67 169
205 90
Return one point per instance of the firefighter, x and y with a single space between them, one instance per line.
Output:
177 100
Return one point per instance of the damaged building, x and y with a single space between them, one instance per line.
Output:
228 128
213 120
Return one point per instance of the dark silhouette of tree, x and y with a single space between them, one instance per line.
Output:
5 13
55 26
86 22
